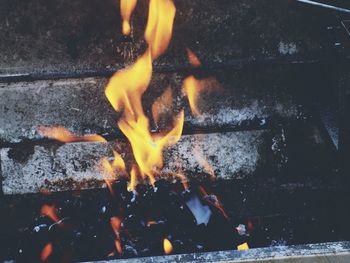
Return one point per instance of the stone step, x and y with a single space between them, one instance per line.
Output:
236 98
73 37
285 155
57 167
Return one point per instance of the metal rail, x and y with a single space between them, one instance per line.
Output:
331 7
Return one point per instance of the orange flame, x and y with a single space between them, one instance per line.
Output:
126 87
182 178
159 27
148 148
46 252
118 246
162 104
126 9
133 179
50 211
192 58
167 246
63 135
191 88
116 224
109 170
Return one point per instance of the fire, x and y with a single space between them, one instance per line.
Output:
243 246
118 246
63 135
46 252
167 246
133 179
126 87
148 148
191 88
159 27
116 224
117 165
182 178
126 9
50 211
192 58
110 169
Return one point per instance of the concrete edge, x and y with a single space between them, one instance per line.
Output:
319 253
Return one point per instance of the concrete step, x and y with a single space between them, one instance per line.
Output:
237 98
72 37
32 168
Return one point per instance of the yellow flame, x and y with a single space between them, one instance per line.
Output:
125 88
159 27
148 148
63 135
162 104
167 246
126 9
133 179
191 88
243 246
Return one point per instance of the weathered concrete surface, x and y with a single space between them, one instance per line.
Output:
73 36
337 252
75 165
80 104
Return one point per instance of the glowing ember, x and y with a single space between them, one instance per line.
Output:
126 9
243 246
115 224
159 25
167 246
63 135
118 246
192 58
46 252
50 211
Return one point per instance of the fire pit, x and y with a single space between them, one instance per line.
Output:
168 130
